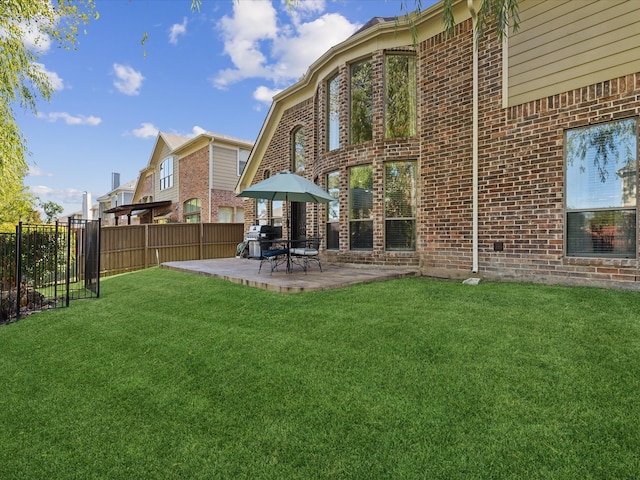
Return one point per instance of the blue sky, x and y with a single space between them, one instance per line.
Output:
215 70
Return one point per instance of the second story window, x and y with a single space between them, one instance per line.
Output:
333 113
361 114
298 151
166 173
243 156
400 96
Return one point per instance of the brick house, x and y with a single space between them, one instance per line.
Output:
513 160
192 179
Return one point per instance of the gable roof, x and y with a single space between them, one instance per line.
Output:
171 139
176 144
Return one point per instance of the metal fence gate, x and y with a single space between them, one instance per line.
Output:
46 266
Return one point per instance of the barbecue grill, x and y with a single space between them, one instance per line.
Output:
259 233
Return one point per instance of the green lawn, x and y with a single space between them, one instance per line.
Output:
173 375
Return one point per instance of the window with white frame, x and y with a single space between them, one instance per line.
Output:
225 214
601 172
166 173
243 157
191 210
400 205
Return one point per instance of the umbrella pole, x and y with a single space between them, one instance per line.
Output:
289 269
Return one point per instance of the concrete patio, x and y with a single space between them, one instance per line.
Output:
245 271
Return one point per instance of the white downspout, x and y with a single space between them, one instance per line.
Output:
210 178
474 220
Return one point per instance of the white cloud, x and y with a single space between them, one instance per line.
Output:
54 79
34 36
197 130
70 119
305 9
146 130
259 47
38 172
312 39
176 30
265 95
251 24
65 195
128 80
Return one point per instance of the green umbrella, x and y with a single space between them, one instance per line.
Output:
289 187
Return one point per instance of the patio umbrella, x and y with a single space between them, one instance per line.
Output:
289 187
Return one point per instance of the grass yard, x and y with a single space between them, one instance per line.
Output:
173 375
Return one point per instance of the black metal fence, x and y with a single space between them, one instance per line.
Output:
46 266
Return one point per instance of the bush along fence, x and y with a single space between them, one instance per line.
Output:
46 266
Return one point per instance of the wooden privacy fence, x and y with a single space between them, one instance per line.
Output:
135 247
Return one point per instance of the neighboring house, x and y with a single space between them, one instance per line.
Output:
512 160
196 175
118 196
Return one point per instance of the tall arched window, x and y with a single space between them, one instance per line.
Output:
333 113
400 102
298 141
166 173
361 112
191 212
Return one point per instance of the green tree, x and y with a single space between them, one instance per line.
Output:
23 81
361 102
51 211
504 13
16 204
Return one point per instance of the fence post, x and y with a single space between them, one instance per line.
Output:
201 251
56 255
145 255
68 279
18 268
98 255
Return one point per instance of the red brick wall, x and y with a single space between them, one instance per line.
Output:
147 188
445 124
520 173
522 184
225 198
194 181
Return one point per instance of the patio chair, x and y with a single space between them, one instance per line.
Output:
273 255
307 252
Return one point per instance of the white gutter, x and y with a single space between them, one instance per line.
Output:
474 267
210 177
